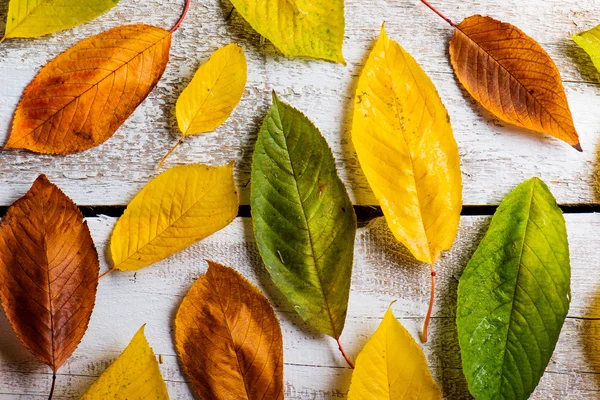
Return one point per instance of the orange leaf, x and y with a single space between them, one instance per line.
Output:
84 95
512 76
228 338
48 272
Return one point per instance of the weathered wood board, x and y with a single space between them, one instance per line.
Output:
314 369
494 157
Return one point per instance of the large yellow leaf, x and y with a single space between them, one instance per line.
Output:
299 28
214 92
404 142
133 376
178 208
392 366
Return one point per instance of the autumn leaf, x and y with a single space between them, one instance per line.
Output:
299 28
392 366
48 272
514 295
84 95
178 208
228 338
590 42
403 139
215 91
31 18
135 375
304 222
511 76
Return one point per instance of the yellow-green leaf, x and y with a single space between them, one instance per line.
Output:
403 138
392 366
178 208
31 18
133 376
216 89
590 42
299 28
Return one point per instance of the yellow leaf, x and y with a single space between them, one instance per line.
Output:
299 28
404 142
392 366
31 18
214 92
178 208
133 376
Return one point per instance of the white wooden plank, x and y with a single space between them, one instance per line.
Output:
494 157
314 369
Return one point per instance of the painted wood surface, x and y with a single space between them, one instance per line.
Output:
494 157
314 369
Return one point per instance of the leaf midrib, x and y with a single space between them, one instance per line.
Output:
412 164
305 219
510 321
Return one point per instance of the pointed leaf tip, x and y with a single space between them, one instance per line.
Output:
578 147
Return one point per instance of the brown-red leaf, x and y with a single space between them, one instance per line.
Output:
228 338
48 272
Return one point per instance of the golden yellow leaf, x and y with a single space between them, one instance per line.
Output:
133 376
178 208
392 366
406 148
216 89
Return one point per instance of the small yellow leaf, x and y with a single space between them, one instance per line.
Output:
133 376
178 208
392 366
403 138
216 89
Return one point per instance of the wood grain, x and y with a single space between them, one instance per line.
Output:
384 271
494 157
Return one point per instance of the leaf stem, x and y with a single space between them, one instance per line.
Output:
448 20
106 273
350 363
183 14
53 384
160 164
431 299
2 39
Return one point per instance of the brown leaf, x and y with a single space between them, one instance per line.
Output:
84 95
48 272
512 76
228 338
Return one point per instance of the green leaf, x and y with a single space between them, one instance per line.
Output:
514 295
303 219
299 28
31 18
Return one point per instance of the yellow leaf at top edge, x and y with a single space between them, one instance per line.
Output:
181 206
135 375
214 92
403 138
32 18
392 366
299 28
